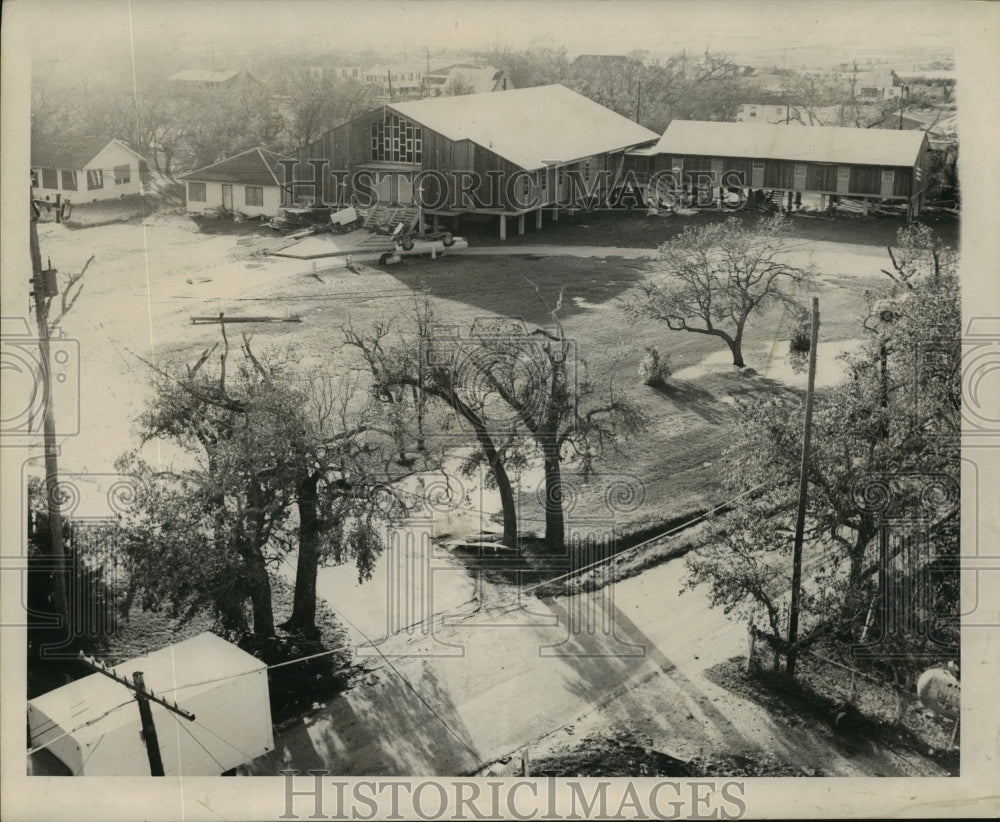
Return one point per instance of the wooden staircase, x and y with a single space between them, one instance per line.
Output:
389 217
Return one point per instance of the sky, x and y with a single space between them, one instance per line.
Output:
582 26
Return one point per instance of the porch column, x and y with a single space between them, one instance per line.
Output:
555 215
503 226
520 224
822 202
538 220
867 202
790 195
436 222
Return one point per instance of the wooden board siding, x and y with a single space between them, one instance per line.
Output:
780 174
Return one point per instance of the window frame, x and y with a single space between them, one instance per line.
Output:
259 195
67 174
95 179
191 189
123 179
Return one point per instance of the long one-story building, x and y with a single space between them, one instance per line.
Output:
83 169
504 153
867 164
248 182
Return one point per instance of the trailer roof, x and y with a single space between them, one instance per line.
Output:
176 673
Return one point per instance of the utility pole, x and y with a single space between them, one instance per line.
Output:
638 100
143 697
43 285
148 727
800 518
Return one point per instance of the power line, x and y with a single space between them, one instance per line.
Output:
92 752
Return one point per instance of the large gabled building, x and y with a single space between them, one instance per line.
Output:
831 161
503 153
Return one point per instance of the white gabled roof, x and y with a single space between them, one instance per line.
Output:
816 144
530 127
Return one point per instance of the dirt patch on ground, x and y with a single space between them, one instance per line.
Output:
621 755
797 703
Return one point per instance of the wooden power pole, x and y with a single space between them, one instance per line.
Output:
148 726
800 517
42 289
143 697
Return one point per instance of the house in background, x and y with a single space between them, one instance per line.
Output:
85 169
868 164
468 79
880 84
333 72
248 183
401 79
530 137
788 113
202 83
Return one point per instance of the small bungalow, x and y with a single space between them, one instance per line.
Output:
85 169
881 84
502 153
831 161
249 182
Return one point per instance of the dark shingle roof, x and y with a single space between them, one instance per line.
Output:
53 151
254 167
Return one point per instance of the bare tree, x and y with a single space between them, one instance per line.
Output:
711 279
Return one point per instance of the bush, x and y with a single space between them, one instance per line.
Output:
801 337
654 370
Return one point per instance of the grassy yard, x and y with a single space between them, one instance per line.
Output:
636 229
676 460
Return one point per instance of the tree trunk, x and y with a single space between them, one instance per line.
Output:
555 525
259 585
507 502
736 346
303 616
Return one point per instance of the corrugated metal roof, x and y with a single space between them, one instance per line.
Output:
254 167
530 127
817 144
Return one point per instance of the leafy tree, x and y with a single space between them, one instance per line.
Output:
267 445
711 279
420 366
567 415
868 436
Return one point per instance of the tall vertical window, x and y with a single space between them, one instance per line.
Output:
69 180
255 195
95 178
396 140
196 192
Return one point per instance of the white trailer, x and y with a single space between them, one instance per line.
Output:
92 725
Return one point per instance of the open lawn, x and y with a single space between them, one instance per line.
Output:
638 229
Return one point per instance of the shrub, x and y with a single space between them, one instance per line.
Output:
654 370
801 337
